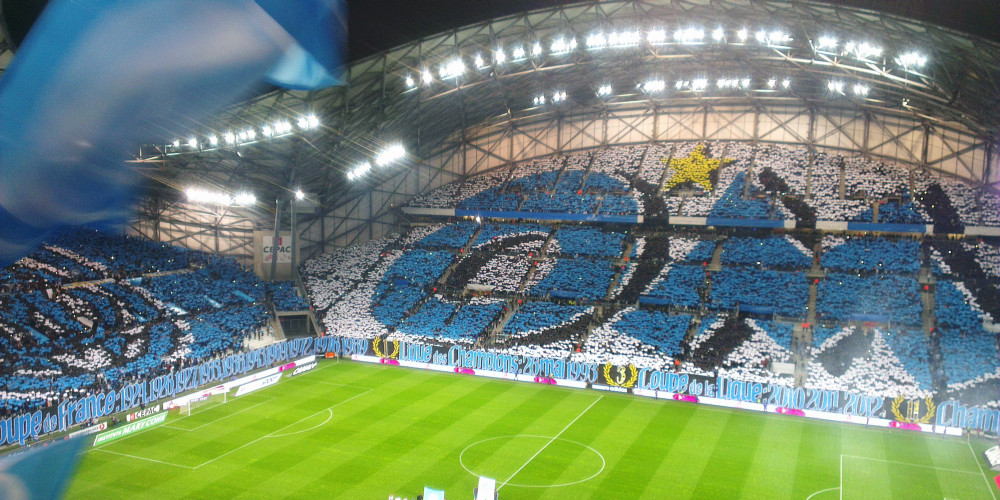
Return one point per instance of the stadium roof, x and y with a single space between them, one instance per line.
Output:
652 54
877 62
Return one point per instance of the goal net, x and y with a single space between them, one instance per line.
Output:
203 402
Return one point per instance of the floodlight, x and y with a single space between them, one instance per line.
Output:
596 41
699 84
536 49
244 199
624 38
860 89
518 53
863 50
560 45
176 143
538 100
192 142
656 36
498 56
559 96
742 35
652 86
313 120
250 133
745 83
827 42
680 84
689 35
426 77
391 154
299 195
718 34
604 90
835 86
230 138
771 82
213 140
760 36
359 171
267 131
453 68
786 83
912 60
479 61
409 82
727 83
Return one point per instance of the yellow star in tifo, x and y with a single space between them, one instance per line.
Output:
693 168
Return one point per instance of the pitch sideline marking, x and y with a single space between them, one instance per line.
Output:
822 491
273 434
604 462
943 469
981 472
143 458
519 469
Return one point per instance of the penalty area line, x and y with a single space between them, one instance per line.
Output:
277 432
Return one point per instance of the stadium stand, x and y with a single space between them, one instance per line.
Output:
122 308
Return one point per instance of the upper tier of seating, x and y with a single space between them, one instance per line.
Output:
86 255
769 182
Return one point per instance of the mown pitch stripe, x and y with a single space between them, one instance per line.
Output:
519 469
276 433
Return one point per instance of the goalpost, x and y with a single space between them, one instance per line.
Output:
203 402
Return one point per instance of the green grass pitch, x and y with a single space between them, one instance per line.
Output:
359 431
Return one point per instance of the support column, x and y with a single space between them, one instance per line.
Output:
274 240
295 237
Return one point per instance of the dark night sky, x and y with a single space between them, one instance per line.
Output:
376 25
381 24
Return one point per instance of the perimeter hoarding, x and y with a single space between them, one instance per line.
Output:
905 413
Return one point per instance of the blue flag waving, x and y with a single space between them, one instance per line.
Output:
39 473
95 78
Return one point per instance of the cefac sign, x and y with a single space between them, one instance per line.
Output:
284 249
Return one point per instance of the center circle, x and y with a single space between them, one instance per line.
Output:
509 458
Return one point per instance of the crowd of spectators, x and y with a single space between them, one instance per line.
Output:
589 241
871 255
753 290
885 298
140 312
677 284
773 252
535 317
576 279
785 182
